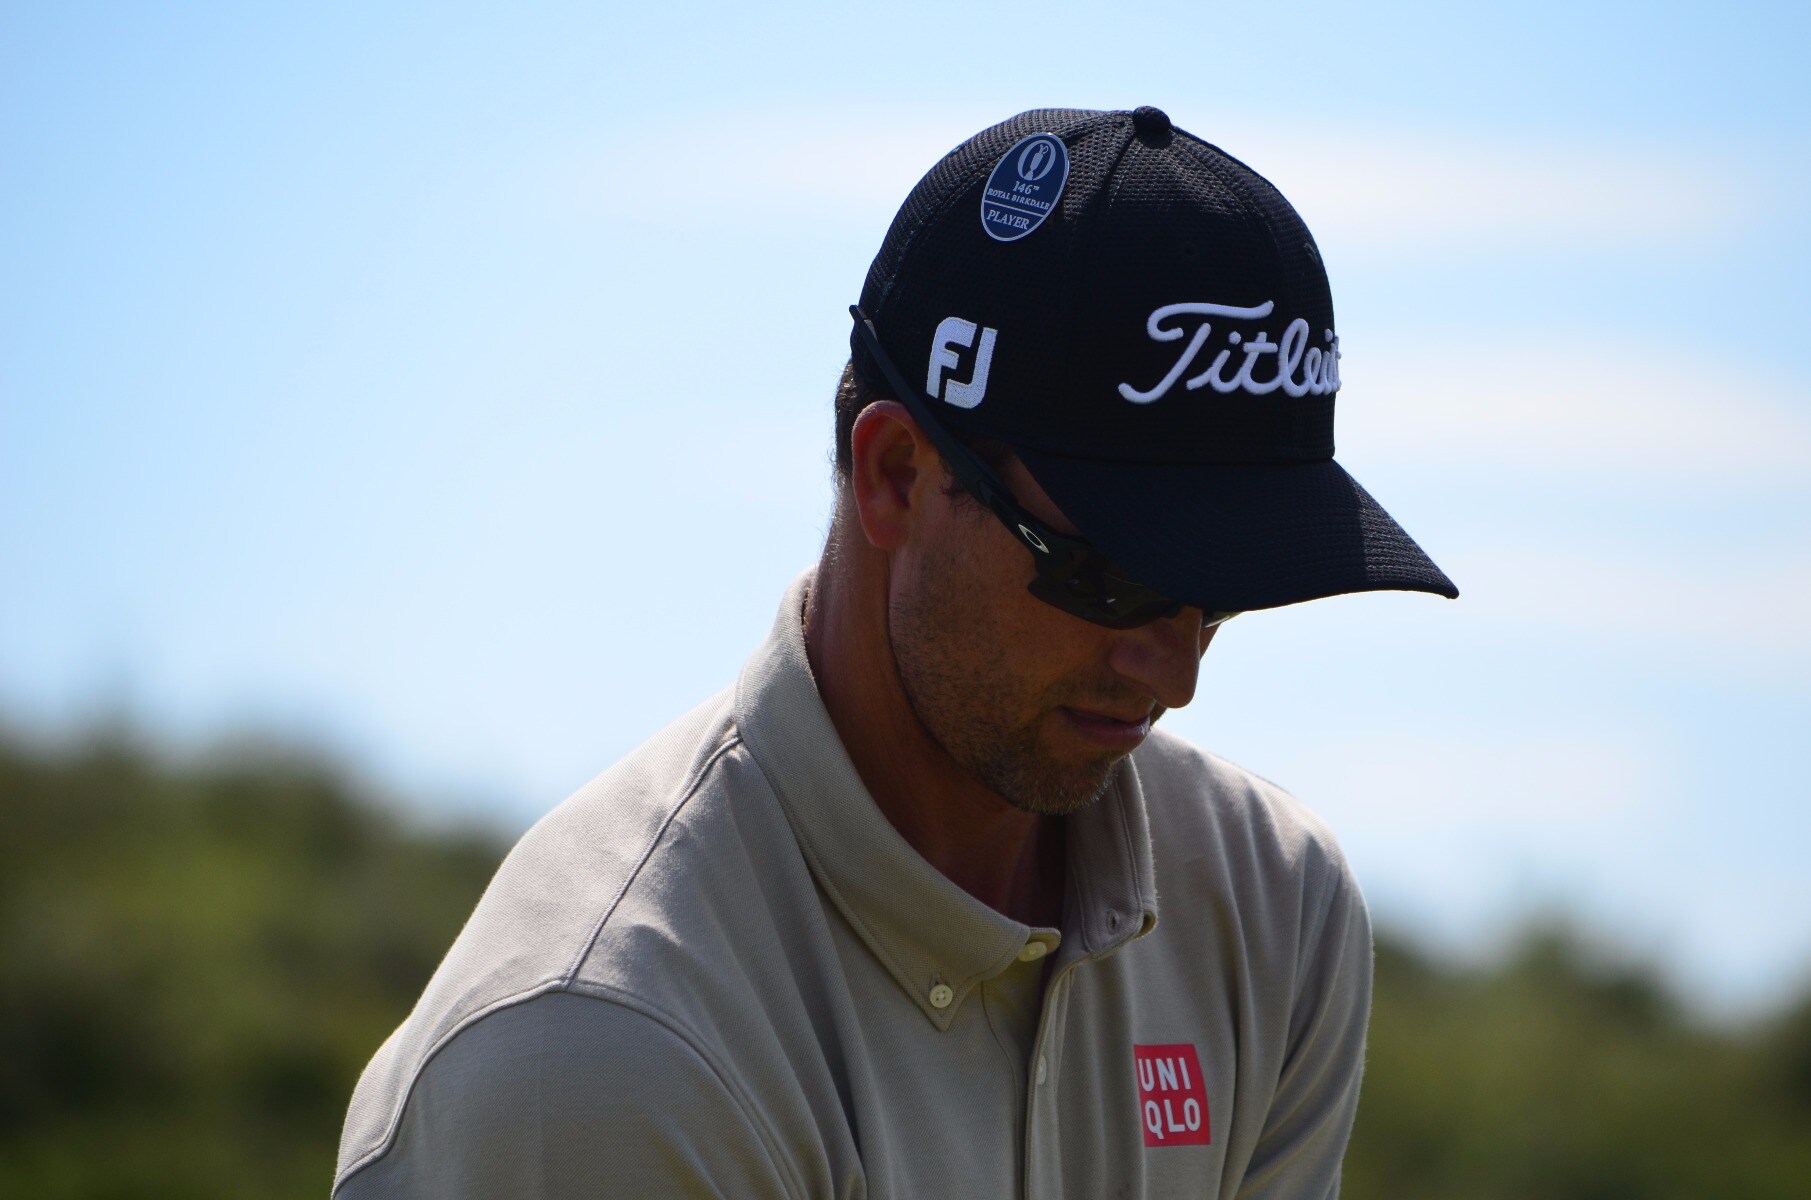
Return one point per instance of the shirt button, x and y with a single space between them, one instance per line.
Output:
941 996
1033 951
1043 1070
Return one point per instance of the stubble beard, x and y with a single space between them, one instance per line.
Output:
957 684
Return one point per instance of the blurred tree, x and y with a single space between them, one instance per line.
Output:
195 964
197 961
1567 1075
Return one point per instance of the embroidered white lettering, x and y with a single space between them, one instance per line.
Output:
1255 349
1212 376
1289 357
1188 356
954 332
1300 370
951 333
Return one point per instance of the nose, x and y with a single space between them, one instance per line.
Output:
1163 657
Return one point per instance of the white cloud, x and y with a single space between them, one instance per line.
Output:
1614 411
762 167
1550 786
1399 189
1686 606
1718 608
1359 187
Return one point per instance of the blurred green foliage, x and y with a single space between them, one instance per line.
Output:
195 965
196 962
1560 1076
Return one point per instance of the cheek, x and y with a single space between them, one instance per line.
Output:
1043 646
967 555
972 574
1002 569
968 579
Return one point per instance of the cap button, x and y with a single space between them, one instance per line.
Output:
1152 122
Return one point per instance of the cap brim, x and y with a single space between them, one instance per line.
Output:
1238 537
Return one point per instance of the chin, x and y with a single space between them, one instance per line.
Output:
1056 794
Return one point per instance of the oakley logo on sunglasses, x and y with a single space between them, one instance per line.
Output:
1034 539
954 333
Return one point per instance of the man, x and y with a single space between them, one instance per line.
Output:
923 906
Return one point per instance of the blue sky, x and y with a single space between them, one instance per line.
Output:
450 386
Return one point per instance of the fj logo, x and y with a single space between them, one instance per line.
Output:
953 333
1172 1096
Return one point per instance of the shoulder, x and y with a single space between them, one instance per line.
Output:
1229 841
537 930
1207 803
567 1094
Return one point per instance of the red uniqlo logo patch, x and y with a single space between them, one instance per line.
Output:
1172 1096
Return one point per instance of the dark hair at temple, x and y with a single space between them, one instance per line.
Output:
854 393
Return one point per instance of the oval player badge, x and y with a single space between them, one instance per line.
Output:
1024 187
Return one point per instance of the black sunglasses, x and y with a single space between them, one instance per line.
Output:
1071 574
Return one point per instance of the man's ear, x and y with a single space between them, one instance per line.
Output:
893 471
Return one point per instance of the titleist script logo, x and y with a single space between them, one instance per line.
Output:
1291 365
1172 1096
954 333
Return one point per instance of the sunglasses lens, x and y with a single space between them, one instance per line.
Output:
1116 603
1103 599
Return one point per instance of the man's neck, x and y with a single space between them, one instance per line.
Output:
1010 860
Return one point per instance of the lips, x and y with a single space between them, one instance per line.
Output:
1108 730
1138 718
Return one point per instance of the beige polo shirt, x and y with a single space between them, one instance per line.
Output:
717 970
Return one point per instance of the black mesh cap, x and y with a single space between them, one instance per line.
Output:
1147 321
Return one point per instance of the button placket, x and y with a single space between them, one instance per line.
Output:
1056 1006
1041 1116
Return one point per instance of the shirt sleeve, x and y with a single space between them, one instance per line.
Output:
1299 1153
567 1096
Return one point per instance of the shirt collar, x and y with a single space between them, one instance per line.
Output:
929 933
